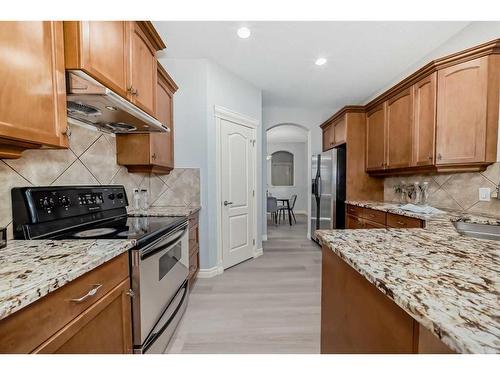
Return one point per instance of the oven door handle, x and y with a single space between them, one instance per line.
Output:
173 239
154 335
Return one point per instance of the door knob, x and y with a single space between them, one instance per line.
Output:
226 203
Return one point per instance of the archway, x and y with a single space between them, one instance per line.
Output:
294 138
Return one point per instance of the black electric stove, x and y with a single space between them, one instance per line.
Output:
83 212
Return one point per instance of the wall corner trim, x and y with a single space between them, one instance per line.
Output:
258 252
207 273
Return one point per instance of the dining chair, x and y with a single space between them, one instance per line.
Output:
272 208
282 210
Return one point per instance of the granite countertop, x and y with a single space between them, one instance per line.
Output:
32 269
448 282
167 211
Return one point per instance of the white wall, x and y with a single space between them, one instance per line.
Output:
300 160
202 85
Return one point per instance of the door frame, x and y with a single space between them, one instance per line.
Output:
222 113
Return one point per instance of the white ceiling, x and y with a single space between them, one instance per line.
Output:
363 57
286 134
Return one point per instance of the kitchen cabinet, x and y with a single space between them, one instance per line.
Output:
399 129
375 137
334 133
424 121
367 218
99 322
357 318
194 248
33 100
101 49
119 54
153 152
462 110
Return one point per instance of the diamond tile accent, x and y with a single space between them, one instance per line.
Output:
8 180
100 159
81 138
76 174
463 187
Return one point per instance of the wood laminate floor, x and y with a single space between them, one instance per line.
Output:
270 304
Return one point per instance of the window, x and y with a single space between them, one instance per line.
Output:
282 168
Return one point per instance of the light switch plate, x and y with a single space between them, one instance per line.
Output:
484 194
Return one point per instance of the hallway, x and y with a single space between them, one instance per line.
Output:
270 304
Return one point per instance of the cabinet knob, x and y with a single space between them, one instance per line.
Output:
153 156
430 157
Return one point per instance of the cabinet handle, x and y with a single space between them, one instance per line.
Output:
132 91
92 292
153 156
430 157
440 156
401 223
130 293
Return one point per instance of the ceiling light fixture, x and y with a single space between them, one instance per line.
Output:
320 61
244 32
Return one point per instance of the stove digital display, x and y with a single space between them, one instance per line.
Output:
90 199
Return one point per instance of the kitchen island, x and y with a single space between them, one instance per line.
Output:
410 290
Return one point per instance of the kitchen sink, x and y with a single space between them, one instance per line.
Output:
484 231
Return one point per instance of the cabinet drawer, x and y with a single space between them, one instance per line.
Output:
354 222
367 224
374 215
28 328
354 210
399 221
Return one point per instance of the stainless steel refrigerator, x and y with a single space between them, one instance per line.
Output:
328 190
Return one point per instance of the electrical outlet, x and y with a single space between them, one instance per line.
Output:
484 194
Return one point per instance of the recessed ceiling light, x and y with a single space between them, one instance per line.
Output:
320 61
244 32
111 108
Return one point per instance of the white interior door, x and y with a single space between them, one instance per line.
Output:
237 192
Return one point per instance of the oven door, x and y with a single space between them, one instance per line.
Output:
158 271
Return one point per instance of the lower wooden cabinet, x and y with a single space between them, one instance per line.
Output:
33 99
194 248
99 322
357 318
366 218
105 327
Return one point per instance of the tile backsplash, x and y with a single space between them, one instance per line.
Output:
455 191
91 160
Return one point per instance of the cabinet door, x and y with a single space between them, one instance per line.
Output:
104 328
104 52
328 136
33 93
162 145
142 70
461 112
354 222
340 131
424 121
399 119
375 138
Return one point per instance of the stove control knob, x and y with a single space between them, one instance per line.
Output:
119 195
111 196
65 201
45 203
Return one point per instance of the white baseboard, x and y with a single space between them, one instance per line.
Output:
300 212
207 273
308 236
258 252
264 237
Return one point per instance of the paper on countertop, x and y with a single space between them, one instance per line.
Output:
420 209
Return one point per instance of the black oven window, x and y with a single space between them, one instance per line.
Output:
169 260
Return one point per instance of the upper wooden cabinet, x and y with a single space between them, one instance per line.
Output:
334 133
462 111
153 152
399 129
424 121
375 137
100 48
442 118
119 54
142 86
33 94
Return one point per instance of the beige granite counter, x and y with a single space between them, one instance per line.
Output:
448 282
167 211
32 269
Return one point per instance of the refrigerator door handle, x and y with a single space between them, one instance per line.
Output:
319 186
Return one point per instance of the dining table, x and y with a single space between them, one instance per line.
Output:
286 202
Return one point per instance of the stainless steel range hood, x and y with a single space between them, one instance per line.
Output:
91 103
